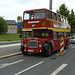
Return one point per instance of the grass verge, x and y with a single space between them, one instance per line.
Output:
9 37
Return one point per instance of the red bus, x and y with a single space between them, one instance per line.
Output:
42 30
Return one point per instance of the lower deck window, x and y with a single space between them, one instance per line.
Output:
40 33
55 35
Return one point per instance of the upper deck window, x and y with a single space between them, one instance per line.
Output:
53 16
62 19
28 15
66 21
58 18
39 14
34 14
49 15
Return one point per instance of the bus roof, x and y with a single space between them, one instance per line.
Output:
45 9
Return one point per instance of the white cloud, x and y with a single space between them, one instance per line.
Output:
10 9
69 4
25 1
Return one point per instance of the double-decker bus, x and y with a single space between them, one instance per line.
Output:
42 30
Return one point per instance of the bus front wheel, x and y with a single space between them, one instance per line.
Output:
24 53
48 51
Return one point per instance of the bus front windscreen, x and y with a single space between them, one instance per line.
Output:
27 34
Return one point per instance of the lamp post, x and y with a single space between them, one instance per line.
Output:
50 4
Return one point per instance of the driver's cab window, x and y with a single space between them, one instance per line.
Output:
24 35
27 34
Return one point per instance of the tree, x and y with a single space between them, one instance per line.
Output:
3 25
72 21
63 10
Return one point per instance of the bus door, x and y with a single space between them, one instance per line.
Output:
56 41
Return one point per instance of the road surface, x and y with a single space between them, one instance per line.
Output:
36 64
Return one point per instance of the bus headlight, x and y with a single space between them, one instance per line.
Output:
25 50
40 45
40 50
25 45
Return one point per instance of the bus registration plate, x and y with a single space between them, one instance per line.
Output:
30 50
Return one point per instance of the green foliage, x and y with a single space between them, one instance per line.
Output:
72 21
3 25
9 37
63 10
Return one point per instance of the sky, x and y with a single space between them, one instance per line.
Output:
11 9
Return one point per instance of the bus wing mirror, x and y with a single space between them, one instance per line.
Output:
48 31
20 36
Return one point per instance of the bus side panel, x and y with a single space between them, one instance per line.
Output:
56 44
49 23
68 39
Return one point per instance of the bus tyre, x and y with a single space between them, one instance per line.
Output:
48 51
24 53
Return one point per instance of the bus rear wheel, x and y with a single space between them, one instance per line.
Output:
48 51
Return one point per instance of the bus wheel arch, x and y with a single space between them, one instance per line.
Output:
23 52
47 49
51 47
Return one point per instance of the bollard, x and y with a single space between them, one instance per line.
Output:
61 46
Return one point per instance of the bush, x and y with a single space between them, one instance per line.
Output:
3 25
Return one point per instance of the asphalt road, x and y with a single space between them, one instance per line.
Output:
36 64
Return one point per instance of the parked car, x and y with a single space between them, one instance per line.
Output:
72 40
